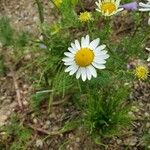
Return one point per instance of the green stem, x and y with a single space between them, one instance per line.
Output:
40 10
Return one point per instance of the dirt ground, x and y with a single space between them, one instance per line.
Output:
23 15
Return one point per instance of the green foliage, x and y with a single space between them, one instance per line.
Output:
37 100
2 67
146 140
10 37
19 134
22 39
6 32
105 108
68 14
107 112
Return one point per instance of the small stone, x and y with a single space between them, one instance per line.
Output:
77 139
25 86
39 143
35 121
52 116
146 114
3 118
135 109
147 125
141 104
55 128
25 103
132 141
41 37
28 57
131 114
119 141
48 123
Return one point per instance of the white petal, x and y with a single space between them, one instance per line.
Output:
83 74
117 2
77 44
147 49
101 57
97 4
72 50
92 70
98 66
73 70
83 42
97 53
69 63
144 5
66 59
98 10
101 47
88 73
118 10
74 47
144 9
99 61
94 44
149 21
78 73
69 54
72 67
87 40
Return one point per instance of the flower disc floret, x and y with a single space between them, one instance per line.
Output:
84 57
108 7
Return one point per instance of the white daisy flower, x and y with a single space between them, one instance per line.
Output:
145 8
149 55
83 58
149 19
108 7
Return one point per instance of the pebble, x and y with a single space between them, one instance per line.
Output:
132 141
77 139
147 125
135 109
119 141
39 143
35 121
3 119
25 103
27 57
146 114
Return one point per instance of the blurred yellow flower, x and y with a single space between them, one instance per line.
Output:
141 72
85 16
57 2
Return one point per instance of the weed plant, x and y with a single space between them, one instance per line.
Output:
103 101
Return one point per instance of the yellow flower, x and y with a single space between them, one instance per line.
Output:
85 16
57 2
141 72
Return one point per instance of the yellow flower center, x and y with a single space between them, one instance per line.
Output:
84 57
85 16
141 72
108 7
